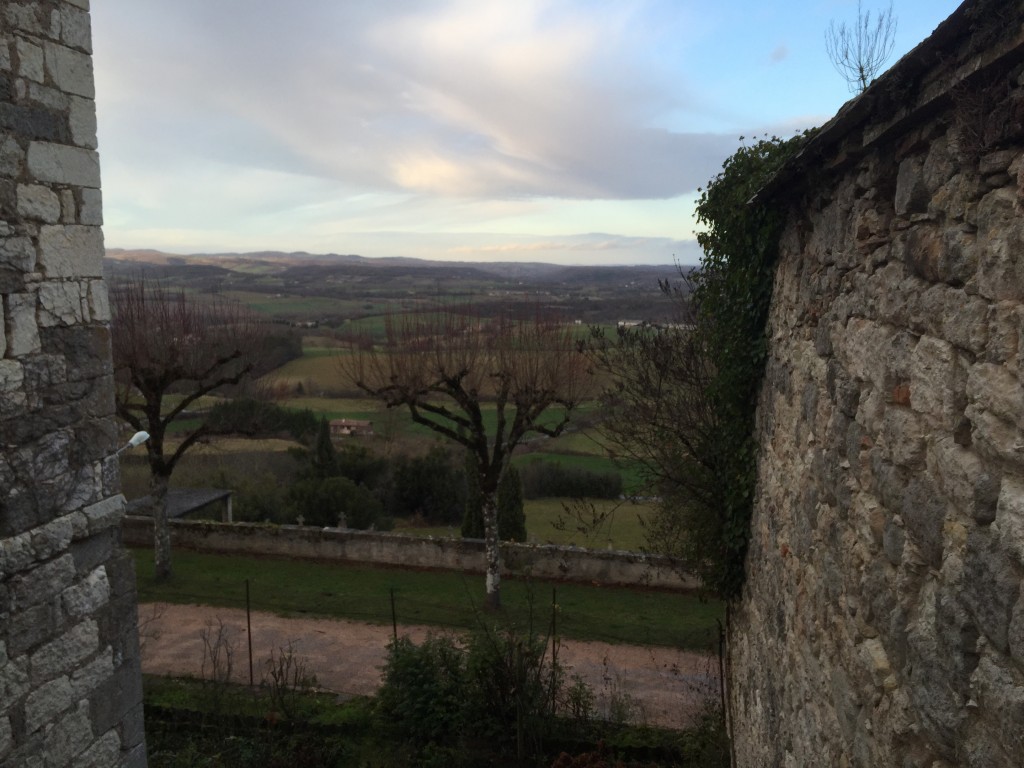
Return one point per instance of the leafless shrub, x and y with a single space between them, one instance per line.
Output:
287 679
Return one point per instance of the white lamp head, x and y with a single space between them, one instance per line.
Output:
138 439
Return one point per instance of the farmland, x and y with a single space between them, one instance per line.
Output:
328 302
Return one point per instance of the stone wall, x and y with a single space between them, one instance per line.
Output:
883 618
396 549
70 687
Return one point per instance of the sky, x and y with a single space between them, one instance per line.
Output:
566 131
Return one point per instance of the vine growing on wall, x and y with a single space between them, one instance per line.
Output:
731 295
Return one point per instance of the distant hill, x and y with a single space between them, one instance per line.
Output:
334 289
278 261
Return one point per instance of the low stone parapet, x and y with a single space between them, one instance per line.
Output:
542 561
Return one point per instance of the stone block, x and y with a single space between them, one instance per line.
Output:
45 703
904 436
12 157
105 514
912 194
996 389
68 207
75 28
1006 324
18 253
42 583
88 678
82 122
61 303
964 479
1016 634
91 209
6 739
937 383
61 164
86 597
90 551
22 329
31 17
62 655
1000 238
71 70
71 251
105 752
30 60
86 349
38 202
991 586
1009 518
69 737
924 516
52 538
117 697
14 680
99 302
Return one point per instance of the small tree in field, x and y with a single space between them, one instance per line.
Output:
484 384
170 349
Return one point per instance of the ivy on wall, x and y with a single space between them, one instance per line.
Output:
732 292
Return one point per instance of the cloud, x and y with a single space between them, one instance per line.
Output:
448 97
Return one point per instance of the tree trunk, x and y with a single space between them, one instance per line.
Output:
492 551
161 531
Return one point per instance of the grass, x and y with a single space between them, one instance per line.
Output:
549 522
436 598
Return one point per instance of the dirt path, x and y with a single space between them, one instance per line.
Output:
660 686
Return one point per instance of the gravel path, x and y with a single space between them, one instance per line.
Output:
659 686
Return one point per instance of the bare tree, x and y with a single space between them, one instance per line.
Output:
170 349
658 412
858 52
484 384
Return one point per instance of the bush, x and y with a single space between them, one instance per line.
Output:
431 487
422 696
549 478
323 502
496 692
258 418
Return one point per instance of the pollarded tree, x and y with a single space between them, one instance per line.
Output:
485 384
170 349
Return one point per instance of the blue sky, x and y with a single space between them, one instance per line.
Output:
571 131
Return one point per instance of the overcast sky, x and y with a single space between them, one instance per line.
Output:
541 130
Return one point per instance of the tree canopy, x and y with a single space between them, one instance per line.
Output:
483 383
170 349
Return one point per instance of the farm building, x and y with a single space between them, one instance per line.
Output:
351 428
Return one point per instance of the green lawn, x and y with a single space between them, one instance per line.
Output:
615 524
439 598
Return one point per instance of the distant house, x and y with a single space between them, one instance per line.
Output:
351 428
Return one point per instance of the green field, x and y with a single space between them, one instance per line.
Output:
437 598
608 525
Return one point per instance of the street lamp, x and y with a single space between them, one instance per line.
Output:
137 439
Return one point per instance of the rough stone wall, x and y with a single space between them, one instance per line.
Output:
882 623
70 687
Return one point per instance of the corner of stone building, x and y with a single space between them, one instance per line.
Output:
882 622
70 681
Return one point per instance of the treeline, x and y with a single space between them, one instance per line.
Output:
350 486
